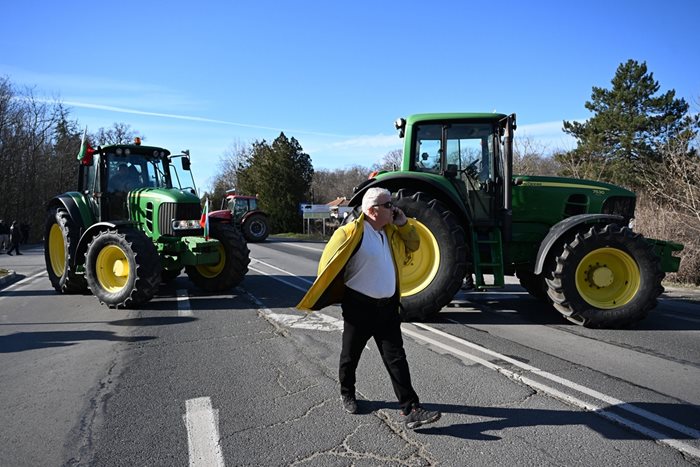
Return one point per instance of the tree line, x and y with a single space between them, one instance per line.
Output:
637 137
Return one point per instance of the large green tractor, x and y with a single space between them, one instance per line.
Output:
132 225
567 240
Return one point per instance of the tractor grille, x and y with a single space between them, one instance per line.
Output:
620 205
169 212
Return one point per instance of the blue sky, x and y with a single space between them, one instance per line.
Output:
335 75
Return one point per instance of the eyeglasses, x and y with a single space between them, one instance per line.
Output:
387 205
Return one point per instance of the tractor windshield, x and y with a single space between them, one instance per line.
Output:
129 172
468 148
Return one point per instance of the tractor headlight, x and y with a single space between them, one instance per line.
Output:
186 224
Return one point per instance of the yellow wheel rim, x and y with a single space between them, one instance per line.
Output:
422 266
57 250
210 271
112 268
607 278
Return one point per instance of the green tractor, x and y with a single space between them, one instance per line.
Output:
567 240
128 228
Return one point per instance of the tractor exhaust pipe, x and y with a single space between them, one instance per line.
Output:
508 178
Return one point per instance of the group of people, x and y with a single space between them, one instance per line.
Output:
10 237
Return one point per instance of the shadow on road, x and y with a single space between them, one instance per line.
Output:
21 341
153 321
503 418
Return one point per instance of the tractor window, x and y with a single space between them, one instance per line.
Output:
126 173
470 149
241 206
428 154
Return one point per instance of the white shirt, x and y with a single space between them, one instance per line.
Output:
370 271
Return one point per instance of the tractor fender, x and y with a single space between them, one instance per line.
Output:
77 208
247 215
90 232
223 216
563 228
394 181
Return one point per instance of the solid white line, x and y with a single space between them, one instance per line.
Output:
605 413
202 423
296 245
278 279
183 303
570 384
19 284
282 270
687 449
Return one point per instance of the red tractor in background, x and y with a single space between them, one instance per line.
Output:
245 214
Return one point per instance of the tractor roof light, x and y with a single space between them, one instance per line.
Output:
400 124
137 141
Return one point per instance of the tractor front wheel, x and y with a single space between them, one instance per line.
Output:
433 274
607 277
255 228
232 266
61 237
122 267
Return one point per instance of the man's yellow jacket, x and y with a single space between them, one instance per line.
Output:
329 286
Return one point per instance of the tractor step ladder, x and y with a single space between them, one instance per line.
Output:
487 253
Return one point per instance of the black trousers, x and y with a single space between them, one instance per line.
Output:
365 317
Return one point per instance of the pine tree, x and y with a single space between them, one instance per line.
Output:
631 123
280 174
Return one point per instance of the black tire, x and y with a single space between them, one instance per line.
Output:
232 268
122 267
534 284
607 277
61 237
435 273
255 228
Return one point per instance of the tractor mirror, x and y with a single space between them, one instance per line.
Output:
185 163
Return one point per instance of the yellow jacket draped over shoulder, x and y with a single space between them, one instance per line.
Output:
329 286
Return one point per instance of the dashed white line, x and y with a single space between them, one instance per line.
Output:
183 303
202 423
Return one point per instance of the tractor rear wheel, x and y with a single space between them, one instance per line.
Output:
607 277
255 228
61 237
435 272
122 267
233 261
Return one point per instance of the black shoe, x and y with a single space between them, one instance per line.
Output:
419 417
349 404
19 253
9 253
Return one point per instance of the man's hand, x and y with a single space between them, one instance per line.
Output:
399 217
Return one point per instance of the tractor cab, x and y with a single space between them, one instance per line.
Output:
112 173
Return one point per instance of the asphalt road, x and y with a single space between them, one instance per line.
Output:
244 379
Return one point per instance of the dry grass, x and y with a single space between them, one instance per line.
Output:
656 221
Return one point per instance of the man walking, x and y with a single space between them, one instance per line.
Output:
359 268
15 238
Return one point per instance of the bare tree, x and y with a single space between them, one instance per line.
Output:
392 160
530 158
118 133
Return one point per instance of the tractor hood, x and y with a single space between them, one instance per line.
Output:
163 195
569 183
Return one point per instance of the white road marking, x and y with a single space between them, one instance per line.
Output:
296 245
20 284
605 413
202 423
314 320
183 303
598 410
